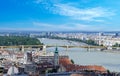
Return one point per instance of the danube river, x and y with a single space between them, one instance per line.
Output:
81 56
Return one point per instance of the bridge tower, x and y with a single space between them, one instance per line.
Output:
23 48
2 48
88 48
44 49
67 49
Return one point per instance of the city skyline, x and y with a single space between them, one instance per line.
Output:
60 15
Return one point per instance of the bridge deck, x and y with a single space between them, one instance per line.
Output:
39 46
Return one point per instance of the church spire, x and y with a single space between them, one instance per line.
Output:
56 50
56 57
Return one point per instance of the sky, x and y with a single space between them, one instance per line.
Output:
60 15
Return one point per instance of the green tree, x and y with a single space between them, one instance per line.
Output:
18 40
72 61
116 45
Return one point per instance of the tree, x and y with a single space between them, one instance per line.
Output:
116 45
18 40
72 61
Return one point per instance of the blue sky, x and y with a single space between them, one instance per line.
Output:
60 15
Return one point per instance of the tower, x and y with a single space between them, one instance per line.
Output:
56 57
99 38
44 49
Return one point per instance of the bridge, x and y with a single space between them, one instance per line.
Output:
23 47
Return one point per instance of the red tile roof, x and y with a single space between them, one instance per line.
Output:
65 61
72 67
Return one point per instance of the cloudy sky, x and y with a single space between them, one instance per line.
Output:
60 15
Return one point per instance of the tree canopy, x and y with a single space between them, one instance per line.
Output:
18 40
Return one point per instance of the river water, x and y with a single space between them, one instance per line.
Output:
81 56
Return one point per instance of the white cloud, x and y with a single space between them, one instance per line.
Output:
67 27
41 24
20 29
38 1
95 14
90 14
51 26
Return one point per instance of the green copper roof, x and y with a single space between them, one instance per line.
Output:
56 50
